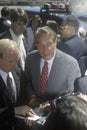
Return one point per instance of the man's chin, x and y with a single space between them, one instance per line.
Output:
46 57
20 33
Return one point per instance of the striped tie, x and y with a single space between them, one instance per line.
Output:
10 87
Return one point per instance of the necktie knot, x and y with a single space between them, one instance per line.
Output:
45 62
45 67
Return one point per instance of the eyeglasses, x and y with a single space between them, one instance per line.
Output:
64 27
60 98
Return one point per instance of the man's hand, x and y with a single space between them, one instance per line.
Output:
45 108
33 102
24 111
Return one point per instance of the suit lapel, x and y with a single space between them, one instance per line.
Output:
17 82
4 89
55 64
36 72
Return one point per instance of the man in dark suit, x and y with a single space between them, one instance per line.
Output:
71 43
62 69
9 56
19 21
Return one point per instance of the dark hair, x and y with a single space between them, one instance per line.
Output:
70 114
72 21
5 12
19 14
52 24
38 18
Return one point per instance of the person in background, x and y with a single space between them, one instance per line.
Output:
71 43
5 22
10 94
53 24
70 113
34 24
19 21
60 69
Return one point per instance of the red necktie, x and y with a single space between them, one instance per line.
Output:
44 77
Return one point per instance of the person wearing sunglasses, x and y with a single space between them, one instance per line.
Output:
70 113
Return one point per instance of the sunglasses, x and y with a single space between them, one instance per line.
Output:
60 98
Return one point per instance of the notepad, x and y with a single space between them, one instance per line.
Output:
34 118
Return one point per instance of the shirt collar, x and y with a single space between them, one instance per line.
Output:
14 36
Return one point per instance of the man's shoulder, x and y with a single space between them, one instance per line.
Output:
64 56
32 54
75 38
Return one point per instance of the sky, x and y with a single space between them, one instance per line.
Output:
79 6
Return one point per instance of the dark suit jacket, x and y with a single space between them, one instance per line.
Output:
64 71
6 104
81 85
19 78
83 64
4 25
74 46
6 108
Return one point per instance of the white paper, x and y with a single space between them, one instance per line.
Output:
34 118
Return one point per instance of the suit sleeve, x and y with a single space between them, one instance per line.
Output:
29 86
74 73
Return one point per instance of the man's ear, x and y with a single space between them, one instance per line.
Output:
72 29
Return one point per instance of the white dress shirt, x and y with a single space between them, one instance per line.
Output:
86 72
50 62
19 41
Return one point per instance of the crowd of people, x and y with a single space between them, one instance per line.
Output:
39 64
